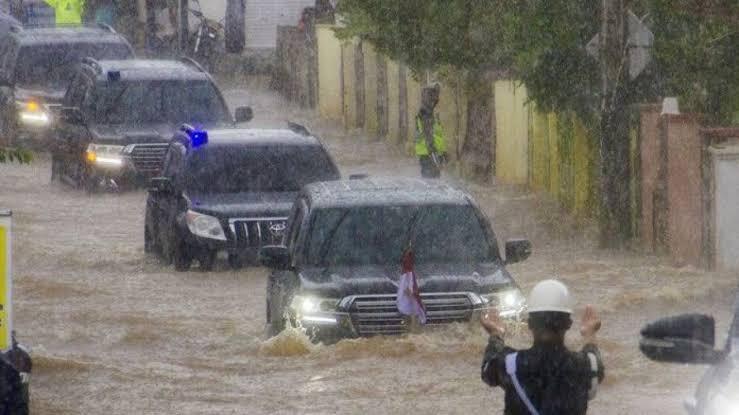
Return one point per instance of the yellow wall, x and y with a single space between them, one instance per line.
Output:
393 101
414 105
540 148
370 88
512 143
583 168
329 73
350 100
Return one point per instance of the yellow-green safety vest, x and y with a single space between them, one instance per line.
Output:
439 138
68 12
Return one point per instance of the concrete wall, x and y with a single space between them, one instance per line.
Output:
725 161
684 190
650 158
370 88
330 86
393 100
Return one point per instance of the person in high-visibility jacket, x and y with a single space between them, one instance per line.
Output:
430 138
68 12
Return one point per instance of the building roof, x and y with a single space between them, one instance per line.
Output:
58 35
384 191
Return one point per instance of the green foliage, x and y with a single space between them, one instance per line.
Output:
547 40
11 154
697 52
429 34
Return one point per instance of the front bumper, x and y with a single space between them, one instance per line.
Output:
329 327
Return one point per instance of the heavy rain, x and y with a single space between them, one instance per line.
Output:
313 206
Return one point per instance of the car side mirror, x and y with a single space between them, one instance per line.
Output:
517 250
275 257
688 338
243 114
72 115
161 185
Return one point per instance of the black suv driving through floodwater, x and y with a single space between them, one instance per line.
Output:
118 117
691 338
337 273
35 68
229 190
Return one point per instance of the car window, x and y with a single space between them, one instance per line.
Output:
7 58
43 66
75 92
379 235
262 168
161 101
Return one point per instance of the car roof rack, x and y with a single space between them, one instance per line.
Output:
107 27
192 62
94 63
298 128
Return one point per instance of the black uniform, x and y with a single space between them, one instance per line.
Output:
12 399
556 381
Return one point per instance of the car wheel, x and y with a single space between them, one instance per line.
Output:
181 256
55 169
236 261
207 259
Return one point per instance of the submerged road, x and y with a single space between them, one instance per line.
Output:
115 332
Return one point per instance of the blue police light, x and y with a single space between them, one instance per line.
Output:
198 137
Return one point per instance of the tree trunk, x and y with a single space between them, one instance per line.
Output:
478 157
615 208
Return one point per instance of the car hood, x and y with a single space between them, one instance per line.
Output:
125 134
132 134
46 95
243 205
339 282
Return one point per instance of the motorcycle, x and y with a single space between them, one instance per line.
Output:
206 40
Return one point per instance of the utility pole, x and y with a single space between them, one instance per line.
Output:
183 29
615 206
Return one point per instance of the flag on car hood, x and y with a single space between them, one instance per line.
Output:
409 298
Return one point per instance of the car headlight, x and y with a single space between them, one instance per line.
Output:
508 302
32 113
310 304
205 226
103 154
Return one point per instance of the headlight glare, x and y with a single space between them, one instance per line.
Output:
505 300
205 226
33 113
310 304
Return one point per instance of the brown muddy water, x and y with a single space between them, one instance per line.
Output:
115 332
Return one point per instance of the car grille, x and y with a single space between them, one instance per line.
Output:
258 232
148 158
378 314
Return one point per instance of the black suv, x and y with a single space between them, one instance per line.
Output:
337 274
691 338
35 68
118 117
229 190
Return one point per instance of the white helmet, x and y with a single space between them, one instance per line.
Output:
550 295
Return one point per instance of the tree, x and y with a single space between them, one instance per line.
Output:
11 154
427 35
697 51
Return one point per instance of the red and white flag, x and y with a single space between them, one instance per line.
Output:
409 298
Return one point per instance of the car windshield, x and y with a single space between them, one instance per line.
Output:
379 235
160 101
231 169
52 65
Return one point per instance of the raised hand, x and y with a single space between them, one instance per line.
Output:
590 323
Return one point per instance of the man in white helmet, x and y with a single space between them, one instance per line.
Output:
547 379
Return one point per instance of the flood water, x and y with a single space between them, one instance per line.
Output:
115 332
